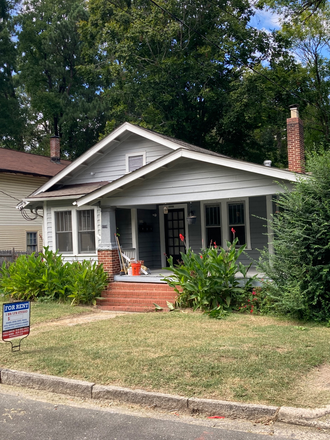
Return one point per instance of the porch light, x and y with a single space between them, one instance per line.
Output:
165 210
191 219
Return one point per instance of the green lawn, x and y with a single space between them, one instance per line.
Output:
243 358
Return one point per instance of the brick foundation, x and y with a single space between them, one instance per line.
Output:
110 260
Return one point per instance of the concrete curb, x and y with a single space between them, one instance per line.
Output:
207 407
53 384
140 397
305 417
232 409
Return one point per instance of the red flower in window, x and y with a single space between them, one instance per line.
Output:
201 256
181 237
233 231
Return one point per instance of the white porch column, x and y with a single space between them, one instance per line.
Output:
108 229
269 210
135 232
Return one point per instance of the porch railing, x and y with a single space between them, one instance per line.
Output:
130 253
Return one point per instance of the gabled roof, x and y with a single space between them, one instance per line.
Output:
179 149
112 138
12 161
69 191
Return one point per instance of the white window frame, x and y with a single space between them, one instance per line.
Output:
128 155
224 219
74 218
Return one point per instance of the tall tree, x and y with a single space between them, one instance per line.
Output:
310 43
11 122
63 102
169 75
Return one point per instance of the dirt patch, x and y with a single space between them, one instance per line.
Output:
319 378
75 320
314 388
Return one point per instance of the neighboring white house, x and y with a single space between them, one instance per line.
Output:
147 187
21 174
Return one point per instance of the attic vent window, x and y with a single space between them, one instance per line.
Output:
135 161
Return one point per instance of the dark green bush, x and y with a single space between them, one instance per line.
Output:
47 277
300 267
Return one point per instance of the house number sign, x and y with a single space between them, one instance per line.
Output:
15 322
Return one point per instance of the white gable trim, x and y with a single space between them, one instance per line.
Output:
127 127
201 157
128 178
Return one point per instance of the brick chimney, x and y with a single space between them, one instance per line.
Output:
55 149
295 135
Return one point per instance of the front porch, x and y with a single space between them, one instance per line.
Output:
152 232
143 292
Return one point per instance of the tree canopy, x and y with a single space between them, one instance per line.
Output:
193 70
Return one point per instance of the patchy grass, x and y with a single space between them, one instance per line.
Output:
50 311
243 358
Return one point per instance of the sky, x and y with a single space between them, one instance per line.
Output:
266 20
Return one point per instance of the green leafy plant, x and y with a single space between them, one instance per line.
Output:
20 279
217 313
89 279
208 280
46 277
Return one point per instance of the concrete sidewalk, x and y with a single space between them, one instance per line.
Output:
316 418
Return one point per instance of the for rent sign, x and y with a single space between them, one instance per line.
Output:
15 320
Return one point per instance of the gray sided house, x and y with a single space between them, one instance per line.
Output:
145 187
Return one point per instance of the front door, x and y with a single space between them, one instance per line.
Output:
174 226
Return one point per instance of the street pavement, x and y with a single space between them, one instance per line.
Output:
34 417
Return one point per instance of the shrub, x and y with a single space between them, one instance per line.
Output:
207 280
300 266
47 277
257 301
88 282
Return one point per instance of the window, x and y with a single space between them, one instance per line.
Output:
75 231
86 231
135 161
63 231
237 222
31 242
213 225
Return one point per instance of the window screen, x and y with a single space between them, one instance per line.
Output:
237 222
31 242
213 225
63 231
86 231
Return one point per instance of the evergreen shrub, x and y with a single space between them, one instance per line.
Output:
299 269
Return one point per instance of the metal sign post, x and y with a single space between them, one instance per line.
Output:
15 322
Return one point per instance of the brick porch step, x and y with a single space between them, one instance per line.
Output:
128 309
136 297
